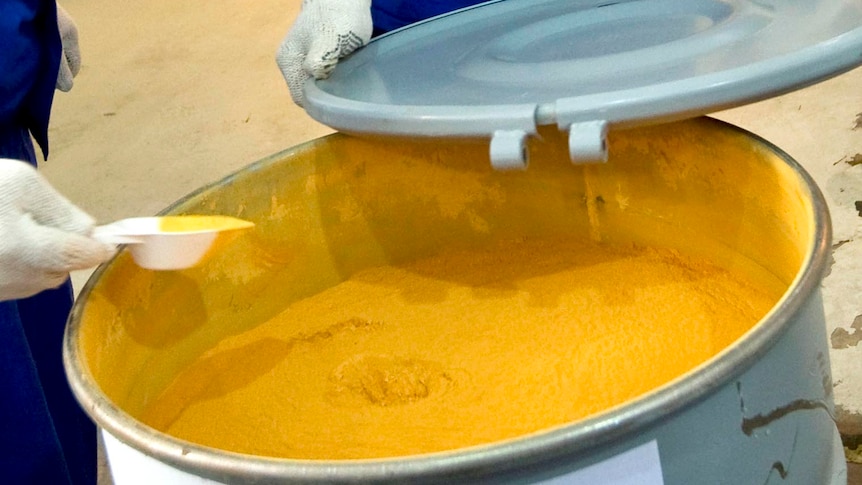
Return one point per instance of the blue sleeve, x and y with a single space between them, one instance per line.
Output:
17 60
30 53
392 14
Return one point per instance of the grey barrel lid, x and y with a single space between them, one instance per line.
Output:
500 69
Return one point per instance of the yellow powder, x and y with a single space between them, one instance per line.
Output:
466 348
201 223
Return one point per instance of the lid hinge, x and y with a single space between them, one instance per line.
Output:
588 142
509 150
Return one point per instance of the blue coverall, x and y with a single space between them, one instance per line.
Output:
45 437
391 14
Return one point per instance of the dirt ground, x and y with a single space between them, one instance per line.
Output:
171 96
174 95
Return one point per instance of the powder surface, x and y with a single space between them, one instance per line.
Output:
462 349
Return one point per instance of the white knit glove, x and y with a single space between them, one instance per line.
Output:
70 60
324 32
42 235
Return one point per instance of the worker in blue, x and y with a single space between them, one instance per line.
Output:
45 438
327 30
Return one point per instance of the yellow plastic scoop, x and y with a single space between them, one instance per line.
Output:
170 242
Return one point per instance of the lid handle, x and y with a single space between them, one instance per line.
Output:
509 150
588 142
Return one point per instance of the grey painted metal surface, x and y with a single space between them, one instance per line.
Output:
503 68
818 126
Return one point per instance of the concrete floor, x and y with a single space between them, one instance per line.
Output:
174 95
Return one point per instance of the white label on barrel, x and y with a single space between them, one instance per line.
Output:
638 466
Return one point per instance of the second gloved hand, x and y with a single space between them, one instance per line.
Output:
70 59
324 32
42 235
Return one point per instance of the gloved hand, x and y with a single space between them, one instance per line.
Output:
42 235
70 61
324 32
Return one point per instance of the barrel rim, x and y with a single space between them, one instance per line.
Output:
498 458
